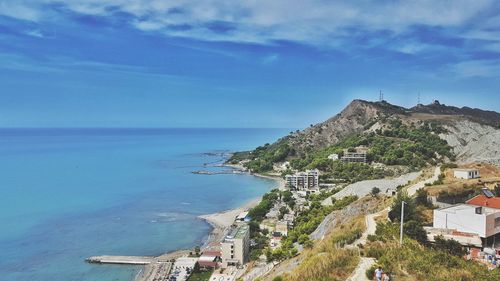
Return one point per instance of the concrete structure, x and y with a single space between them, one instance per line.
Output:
464 238
133 260
359 156
183 268
483 221
236 246
303 180
466 173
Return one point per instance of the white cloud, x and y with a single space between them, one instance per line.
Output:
477 68
263 21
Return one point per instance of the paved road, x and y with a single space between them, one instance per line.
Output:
364 188
413 189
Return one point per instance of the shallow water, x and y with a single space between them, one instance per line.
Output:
66 194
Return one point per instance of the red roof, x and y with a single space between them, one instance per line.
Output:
481 200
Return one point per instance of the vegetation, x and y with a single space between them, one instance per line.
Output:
412 145
200 275
327 260
305 223
458 195
417 259
375 191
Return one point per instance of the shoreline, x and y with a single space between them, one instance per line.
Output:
219 221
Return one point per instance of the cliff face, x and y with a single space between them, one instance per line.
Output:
473 142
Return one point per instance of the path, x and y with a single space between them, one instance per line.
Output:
359 273
413 189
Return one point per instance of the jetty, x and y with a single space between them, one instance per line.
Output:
131 260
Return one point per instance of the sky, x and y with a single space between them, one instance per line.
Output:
248 63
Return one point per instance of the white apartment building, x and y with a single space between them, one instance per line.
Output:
483 221
303 180
236 246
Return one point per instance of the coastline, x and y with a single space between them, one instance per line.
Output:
220 222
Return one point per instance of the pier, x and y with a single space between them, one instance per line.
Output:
131 260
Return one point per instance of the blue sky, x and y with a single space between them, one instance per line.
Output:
209 63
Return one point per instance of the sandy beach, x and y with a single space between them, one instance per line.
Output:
226 218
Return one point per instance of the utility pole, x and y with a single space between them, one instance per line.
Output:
402 218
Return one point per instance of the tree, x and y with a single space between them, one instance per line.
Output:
449 246
415 230
197 250
375 191
410 212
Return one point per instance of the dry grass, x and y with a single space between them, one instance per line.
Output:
326 261
490 175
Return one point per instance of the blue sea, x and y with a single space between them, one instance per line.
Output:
67 194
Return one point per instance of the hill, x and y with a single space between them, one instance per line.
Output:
394 135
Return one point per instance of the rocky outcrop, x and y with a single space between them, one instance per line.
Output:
351 120
473 142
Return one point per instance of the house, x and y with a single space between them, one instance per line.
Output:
357 156
470 218
303 180
242 216
466 173
333 157
282 228
236 246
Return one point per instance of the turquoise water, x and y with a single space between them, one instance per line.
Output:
66 194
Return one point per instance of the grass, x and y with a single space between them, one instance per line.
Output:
200 276
326 261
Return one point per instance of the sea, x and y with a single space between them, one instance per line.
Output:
67 194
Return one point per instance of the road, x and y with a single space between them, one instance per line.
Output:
413 189
364 188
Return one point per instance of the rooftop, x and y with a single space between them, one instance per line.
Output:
239 232
465 169
466 207
482 200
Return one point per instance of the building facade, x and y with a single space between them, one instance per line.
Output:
466 173
359 156
236 246
483 221
303 180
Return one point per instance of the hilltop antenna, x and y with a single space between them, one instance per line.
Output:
381 96
418 98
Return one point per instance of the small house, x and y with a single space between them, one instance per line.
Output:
466 174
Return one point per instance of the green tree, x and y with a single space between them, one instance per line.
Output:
410 212
375 191
415 230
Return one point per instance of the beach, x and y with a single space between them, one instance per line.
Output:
220 222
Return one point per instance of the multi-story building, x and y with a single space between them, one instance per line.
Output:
236 246
359 156
303 180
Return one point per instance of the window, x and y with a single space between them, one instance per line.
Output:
497 222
